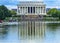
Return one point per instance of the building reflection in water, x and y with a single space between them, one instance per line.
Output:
31 29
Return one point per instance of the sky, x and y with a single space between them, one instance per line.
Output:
10 4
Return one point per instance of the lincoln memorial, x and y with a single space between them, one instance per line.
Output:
30 14
31 9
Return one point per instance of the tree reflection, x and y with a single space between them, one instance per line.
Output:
52 26
3 33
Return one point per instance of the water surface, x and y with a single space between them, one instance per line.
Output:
35 32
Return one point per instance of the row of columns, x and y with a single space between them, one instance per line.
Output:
38 10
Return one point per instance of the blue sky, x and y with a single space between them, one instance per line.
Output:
12 3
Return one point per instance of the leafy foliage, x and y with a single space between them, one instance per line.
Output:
4 12
54 12
13 12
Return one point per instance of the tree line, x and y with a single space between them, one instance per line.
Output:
4 12
54 12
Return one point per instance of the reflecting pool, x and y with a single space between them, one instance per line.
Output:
30 32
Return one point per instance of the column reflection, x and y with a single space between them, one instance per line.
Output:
31 29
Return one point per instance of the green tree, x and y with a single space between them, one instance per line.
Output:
53 12
13 13
4 12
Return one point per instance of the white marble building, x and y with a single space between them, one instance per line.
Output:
31 8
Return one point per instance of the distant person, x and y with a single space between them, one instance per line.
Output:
1 21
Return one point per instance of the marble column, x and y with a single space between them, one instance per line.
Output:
32 10
45 10
35 10
17 11
22 10
40 9
27 10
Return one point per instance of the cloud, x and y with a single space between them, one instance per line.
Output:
8 2
52 3
11 7
13 3
29 0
